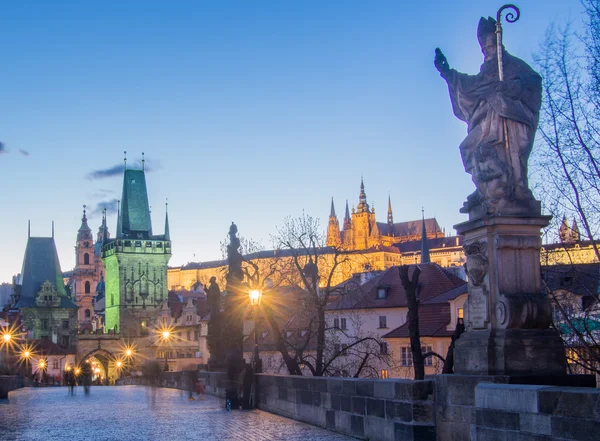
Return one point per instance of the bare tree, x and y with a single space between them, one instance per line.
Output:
567 156
322 348
568 164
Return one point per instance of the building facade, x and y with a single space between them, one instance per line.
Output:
40 294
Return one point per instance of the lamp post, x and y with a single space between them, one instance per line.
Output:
6 341
255 298
166 335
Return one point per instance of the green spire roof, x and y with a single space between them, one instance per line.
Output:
40 264
134 217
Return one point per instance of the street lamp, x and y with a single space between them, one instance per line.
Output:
255 298
42 364
165 335
6 341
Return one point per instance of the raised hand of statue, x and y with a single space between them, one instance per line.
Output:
440 62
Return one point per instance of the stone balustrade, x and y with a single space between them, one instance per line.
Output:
363 408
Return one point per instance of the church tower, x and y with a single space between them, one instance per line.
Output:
84 278
363 222
334 238
135 262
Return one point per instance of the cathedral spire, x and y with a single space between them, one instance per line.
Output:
167 233
424 245
332 212
390 215
575 235
347 221
362 206
564 232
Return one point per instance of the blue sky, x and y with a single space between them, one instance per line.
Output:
246 111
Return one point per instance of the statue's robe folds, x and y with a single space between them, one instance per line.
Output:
477 101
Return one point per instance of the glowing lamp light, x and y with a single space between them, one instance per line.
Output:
7 337
68 368
26 354
128 352
166 334
77 371
119 363
42 364
255 297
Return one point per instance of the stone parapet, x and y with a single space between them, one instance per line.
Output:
8 383
363 408
531 413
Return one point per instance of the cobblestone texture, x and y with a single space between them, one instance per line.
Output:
140 413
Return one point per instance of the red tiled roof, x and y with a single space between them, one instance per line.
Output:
433 322
433 281
46 347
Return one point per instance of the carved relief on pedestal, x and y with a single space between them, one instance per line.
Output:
477 269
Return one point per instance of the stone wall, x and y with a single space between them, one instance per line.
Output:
8 383
215 382
534 413
363 408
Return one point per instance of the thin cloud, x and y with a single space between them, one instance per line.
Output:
117 170
111 208
24 152
101 193
2 148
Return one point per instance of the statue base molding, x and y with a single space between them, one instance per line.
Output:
507 315
510 352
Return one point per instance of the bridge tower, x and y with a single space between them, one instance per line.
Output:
135 262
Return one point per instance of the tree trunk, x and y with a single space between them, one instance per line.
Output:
320 340
410 287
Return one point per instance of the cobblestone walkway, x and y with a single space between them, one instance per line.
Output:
139 413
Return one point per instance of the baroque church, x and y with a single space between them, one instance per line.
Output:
87 278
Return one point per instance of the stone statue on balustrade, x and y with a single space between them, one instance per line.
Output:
501 106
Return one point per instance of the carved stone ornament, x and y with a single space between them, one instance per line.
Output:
477 262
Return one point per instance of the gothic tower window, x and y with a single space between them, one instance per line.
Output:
86 259
87 287
88 314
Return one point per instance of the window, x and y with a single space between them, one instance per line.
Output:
87 287
196 334
383 321
55 364
428 360
406 357
381 293
144 326
336 323
407 360
189 335
383 348
461 313
44 323
65 340
88 314
385 374
86 259
343 323
65 324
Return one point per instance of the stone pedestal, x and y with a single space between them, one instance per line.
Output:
507 316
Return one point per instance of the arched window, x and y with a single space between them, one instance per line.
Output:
87 287
86 259
88 314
